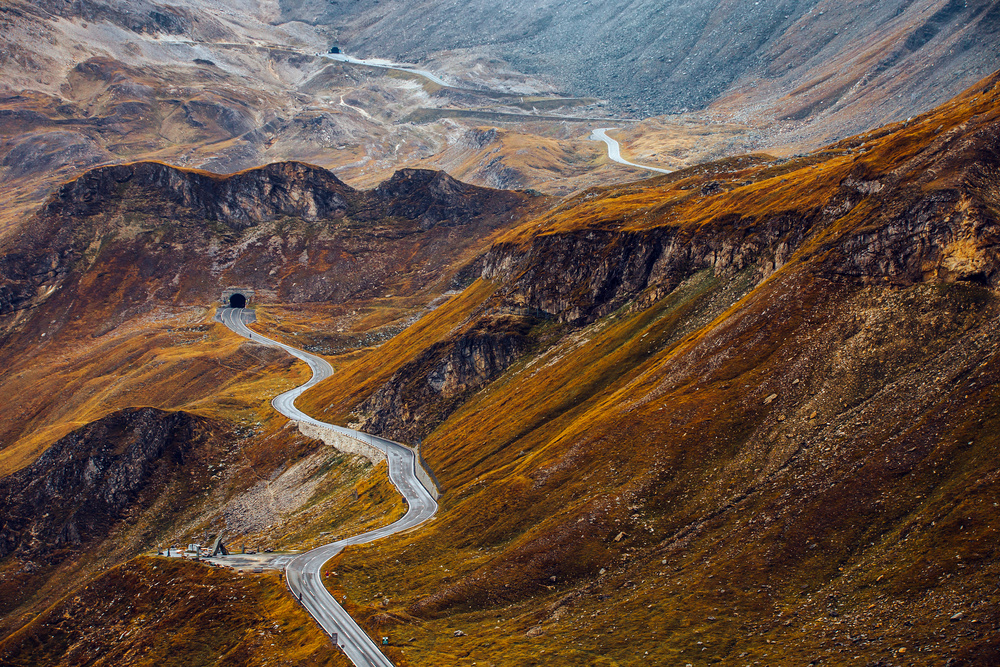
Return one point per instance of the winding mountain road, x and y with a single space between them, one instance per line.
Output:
615 151
303 572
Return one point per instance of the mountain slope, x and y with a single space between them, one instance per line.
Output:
163 608
662 57
71 498
760 425
126 237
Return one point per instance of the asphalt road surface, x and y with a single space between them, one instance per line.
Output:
303 572
615 151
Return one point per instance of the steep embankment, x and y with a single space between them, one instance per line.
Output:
63 507
761 425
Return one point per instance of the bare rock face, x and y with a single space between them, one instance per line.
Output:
582 276
941 225
422 393
86 482
928 218
432 197
282 189
25 275
289 229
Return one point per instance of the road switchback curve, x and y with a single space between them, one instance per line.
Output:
615 151
303 572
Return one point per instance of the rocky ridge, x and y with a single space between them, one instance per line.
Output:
928 216
421 394
88 485
77 490
287 229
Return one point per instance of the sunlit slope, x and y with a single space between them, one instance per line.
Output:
101 493
755 418
172 359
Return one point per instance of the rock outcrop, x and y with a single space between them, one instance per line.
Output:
422 393
75 492
582 276
282 189
432 197
903 210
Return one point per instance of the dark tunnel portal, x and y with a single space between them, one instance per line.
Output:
237 301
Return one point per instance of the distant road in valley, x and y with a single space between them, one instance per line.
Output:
386 64
615 153
303 572
614 149
382 63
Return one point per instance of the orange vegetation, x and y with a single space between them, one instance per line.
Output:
769 463
154 611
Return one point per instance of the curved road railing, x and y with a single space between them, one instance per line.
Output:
615 151
303 572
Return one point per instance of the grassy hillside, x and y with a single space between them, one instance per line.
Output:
155 611
762 425
746 412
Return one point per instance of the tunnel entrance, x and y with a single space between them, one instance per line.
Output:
236 296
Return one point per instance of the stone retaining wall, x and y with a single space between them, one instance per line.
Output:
351 445
427 477
342 442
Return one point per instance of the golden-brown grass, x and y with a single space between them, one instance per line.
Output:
172 359
334 400
154 611
764 472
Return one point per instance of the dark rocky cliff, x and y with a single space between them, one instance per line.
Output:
421 394
281 189
89 480
433 197
927 215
